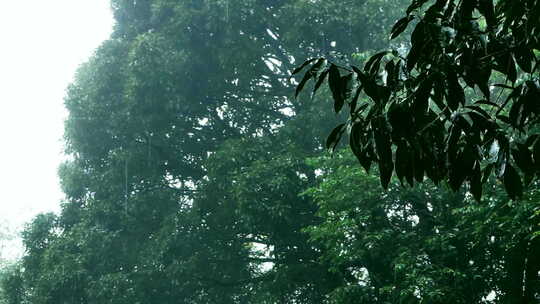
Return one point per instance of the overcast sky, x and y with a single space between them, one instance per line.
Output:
41 45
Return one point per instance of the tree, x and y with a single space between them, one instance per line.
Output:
173 131
12 289
423 244
459 105
10 283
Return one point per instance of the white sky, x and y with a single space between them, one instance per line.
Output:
41 45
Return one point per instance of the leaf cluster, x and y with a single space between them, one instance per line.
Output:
460 105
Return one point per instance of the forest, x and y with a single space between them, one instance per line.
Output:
274 151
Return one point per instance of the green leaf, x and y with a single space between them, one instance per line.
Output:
334 137
413 56
421 98
416 4
476 182
536 153
502 85
377 93
400 26
302 83
419 167
523 159
460 167
439 91
516 112
392 71
486 102
312 72
455 93
512 182
403 162
504 119
418 44
480 122
354 101
487 172
510 69
298 69
400 119
453 139
531 139
383 145
336 87
373 64
320 81
480 111
481 73
359 150
347 82
487 9
525 58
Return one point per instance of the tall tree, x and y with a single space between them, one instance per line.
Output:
153 212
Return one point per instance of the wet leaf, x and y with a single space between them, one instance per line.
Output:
476 182
336 87
400 26
302 83
536 153
525 58
421 98
403 162
416 4
460 168
523 159
334 137
354 101
512 182
298 69
383 145
372 65
359 150
320 81
455 93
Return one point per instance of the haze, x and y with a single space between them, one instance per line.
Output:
42 44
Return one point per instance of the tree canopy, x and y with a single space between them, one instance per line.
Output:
194 176
458 103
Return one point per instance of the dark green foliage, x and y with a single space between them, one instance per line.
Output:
195 175
423 244
428 95
12 289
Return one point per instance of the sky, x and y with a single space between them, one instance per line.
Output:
41 45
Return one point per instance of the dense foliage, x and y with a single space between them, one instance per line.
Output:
195 177
425 244
460 103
